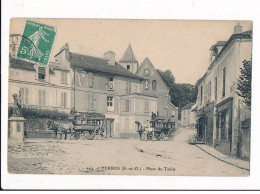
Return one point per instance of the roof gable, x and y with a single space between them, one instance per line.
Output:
128 55
148 64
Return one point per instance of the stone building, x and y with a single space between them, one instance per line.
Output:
92 84
220 111
188 116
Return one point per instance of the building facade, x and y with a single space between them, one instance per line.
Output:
220 111
188 116
90 84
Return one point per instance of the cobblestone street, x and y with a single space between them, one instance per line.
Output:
117 156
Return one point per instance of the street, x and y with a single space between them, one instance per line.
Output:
110 156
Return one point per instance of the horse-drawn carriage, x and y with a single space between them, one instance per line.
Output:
87 125
160 128
82 125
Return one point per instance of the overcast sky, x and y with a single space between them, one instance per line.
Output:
180 46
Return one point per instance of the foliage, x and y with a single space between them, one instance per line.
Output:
244 82
33 113
181 94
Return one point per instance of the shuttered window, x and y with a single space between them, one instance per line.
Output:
128 86
42 98
90 101
63 100
64 77
127 106
25 95
146 106
224 82
90 80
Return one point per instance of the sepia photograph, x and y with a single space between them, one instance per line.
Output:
129 97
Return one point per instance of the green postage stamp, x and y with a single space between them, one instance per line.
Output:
37 42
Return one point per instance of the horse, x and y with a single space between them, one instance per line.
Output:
143 131
61 127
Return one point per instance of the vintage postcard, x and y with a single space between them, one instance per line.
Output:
129 97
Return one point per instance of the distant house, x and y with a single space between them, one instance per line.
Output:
188 116
220 111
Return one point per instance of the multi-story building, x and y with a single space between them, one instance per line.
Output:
90 84
221 113
188 116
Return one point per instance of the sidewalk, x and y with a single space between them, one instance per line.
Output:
227 159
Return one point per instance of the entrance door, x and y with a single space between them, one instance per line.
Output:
110 127
209 129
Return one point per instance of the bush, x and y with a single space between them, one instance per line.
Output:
34 113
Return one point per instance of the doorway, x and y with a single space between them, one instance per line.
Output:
110 127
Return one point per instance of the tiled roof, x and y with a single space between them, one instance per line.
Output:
188 106
95 64
58 66
21 64
128 55
243 35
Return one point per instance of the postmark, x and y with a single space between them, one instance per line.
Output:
39 48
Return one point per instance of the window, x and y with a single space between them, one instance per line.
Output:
128 67
63 100
111 83
90 101
146 106
210 90
127 106
154 85
90 80
64 77
110 103
41 73
146 84
216 88
42 97
24 95
224 82
128 86
201 94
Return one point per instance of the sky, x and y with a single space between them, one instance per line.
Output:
181 46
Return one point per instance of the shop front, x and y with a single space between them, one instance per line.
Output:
224 126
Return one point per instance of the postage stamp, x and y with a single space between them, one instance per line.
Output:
41 37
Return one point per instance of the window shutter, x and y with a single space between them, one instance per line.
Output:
39 98
44 98
62 102
65 74
92 101
92 78
26 96
22 96
65 100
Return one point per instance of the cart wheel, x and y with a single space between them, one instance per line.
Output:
76 136
170 134
162 136
92 135
85 135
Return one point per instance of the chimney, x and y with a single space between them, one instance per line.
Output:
109 56
66 49
238 29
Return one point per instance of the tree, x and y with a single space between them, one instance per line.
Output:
244 82
181 94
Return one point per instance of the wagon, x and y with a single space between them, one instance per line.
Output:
87 125
162 128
